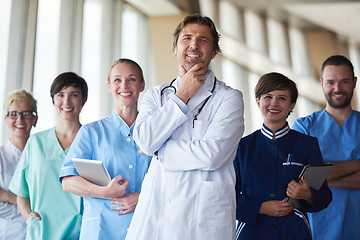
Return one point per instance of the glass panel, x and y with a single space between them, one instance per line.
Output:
5 10
91 56
46 55
135 42
256 117
129 35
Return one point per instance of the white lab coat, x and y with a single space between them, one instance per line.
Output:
191 194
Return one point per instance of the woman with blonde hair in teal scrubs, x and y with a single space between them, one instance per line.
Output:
51 213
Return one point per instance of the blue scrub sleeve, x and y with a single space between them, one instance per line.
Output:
299 126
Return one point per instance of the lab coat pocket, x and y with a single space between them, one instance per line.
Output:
199 129
216 204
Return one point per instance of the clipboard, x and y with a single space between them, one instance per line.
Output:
92 170
315 175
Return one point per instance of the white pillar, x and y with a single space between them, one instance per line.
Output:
237 77
301 62
231 20
209 8
278 42
255 32
70 35
354 52
256 117
110 48
21 50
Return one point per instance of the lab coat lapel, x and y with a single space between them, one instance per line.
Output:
203 92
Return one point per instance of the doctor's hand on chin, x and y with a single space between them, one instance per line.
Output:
191 81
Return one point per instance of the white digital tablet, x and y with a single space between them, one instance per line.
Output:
92 170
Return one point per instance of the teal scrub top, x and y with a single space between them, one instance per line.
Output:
36 178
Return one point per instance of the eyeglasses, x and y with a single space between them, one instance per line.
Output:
24 115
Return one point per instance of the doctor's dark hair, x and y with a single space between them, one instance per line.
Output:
68 79
337 60
127 61
276 81
202 20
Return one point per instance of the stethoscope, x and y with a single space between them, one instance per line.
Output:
199 109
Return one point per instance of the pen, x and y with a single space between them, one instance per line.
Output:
290 157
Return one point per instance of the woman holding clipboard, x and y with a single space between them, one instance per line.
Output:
108 209
267 164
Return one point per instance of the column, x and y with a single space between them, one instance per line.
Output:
231 21
110 47
255 36
21 50
70 35
210 8
300 57
278 42
354 52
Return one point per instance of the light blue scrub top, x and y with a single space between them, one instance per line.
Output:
341 219
36 178
109 140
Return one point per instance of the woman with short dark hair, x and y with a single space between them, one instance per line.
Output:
50 212
267 164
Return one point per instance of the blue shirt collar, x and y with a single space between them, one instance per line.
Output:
278 134
121 125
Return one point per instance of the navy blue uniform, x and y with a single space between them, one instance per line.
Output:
264 167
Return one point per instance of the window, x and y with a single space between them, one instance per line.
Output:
46 55
5 10
90 60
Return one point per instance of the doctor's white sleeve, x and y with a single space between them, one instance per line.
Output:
155 126
155 123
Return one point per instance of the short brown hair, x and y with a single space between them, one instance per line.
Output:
337 60
68 79
198 19
276 81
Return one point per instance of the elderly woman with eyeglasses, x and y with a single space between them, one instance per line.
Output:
21 115
51 213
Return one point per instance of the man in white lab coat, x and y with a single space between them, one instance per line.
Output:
192 127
